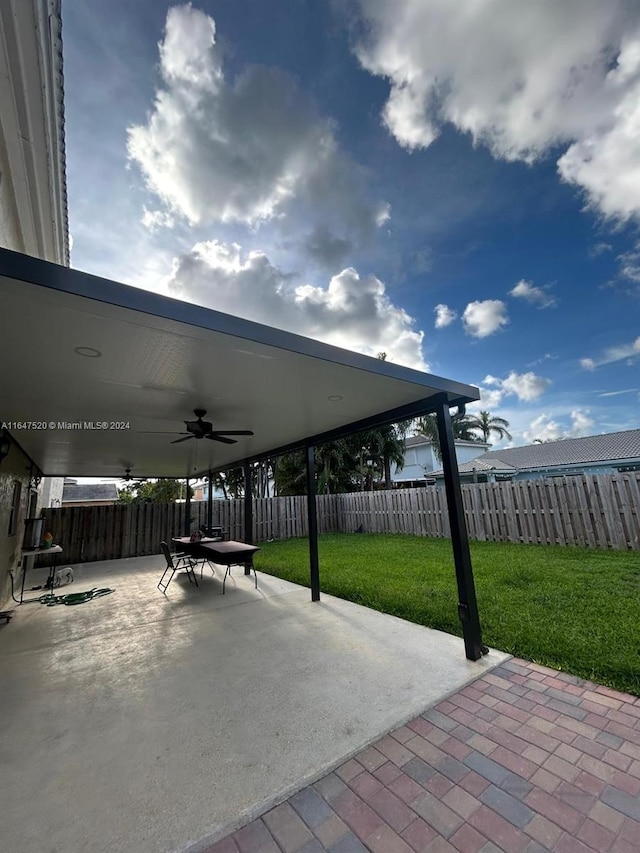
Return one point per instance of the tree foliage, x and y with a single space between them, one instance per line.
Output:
486 423
464 429
162 491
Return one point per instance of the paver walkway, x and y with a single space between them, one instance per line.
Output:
524 760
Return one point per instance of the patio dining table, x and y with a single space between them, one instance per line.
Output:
229 553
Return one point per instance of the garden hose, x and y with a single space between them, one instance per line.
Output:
74 597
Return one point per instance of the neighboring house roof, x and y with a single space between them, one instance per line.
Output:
482 463
92 492
592 449
415 440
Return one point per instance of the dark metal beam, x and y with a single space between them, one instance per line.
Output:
248 509
187 512
391 416
467 604
314 564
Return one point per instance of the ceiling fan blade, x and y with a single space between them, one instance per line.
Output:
230 432
178 440
213 437
156 432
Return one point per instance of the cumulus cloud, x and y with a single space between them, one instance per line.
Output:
521 81
246 150
484 318
544 428
490 399
444 316
534 295
581 423
525 386
620 352
351 311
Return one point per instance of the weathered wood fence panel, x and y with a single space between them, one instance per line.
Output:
595 511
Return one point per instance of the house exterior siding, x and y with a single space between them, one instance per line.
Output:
420 458
33 201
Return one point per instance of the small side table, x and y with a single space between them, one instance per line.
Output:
27 565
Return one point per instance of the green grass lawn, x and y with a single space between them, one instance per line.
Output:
573 609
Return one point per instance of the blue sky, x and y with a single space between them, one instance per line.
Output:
457 185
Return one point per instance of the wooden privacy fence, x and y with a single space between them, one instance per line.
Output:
593 511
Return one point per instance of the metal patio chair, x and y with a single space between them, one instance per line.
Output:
174 563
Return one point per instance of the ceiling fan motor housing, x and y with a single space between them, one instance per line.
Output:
198 428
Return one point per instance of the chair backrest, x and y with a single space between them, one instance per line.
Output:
167 554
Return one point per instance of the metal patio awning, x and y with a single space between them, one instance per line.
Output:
95 368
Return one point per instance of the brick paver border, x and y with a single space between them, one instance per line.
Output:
523 760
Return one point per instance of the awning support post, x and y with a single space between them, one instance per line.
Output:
187 512
210 502
312 515
248 509
467 604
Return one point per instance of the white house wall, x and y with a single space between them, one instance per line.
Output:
33 204
33 207
420 459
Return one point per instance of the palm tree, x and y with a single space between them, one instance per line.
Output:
290 474
336 467
428 427
382 446
487 423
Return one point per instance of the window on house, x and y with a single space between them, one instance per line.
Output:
15 507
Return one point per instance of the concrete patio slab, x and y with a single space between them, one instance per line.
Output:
157 723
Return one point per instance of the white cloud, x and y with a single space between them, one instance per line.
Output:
629 265
599 249
444 316
521 80
351 311
544 428
247 150
490 399
546 357
581 423
156 219
617 393
526 386
484 318
491 380
619 352
534 295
